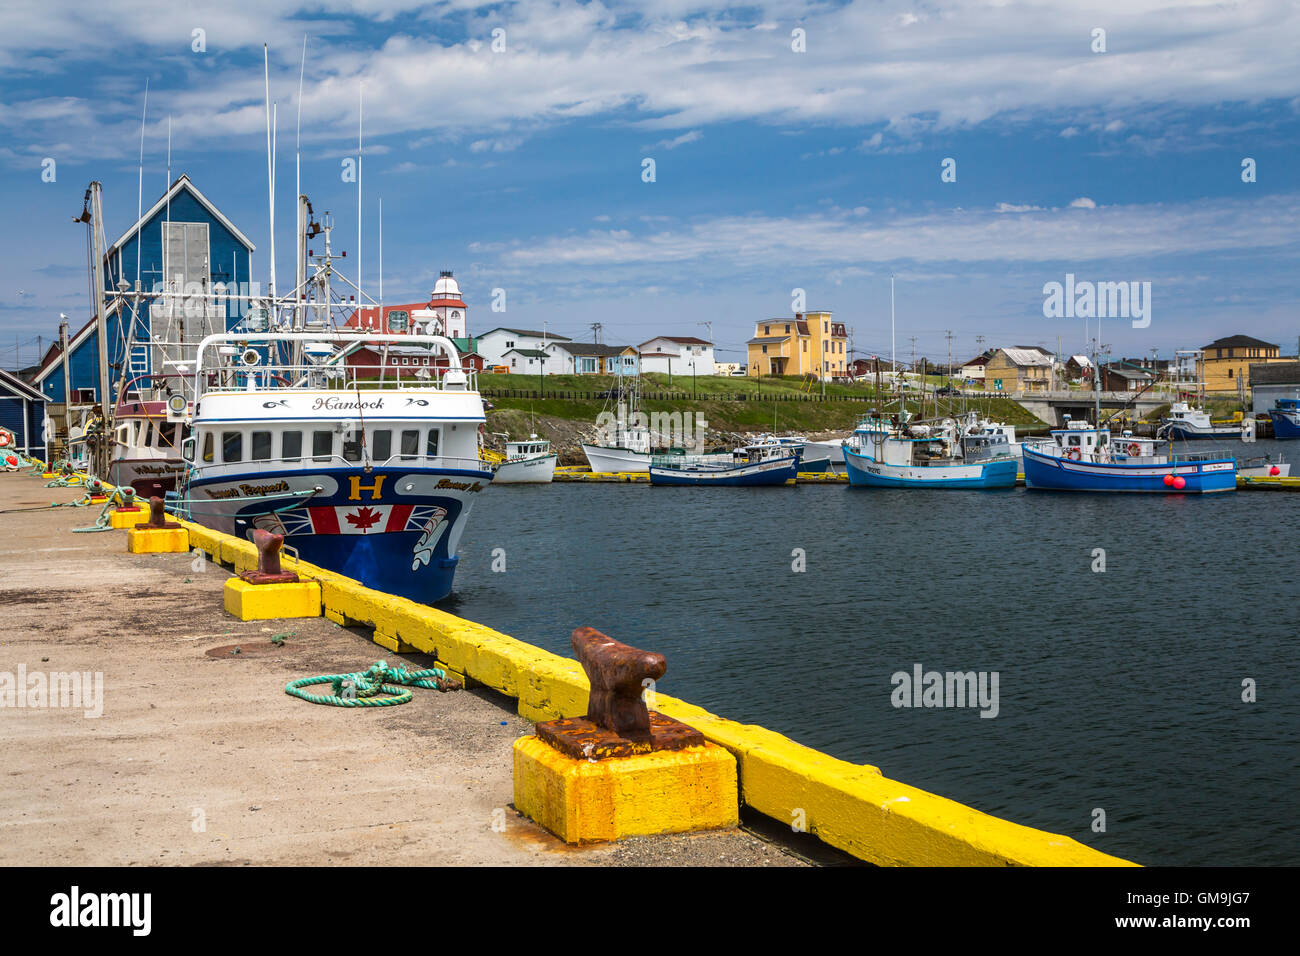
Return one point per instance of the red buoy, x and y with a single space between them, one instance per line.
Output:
1275 471
1180 482
1169 479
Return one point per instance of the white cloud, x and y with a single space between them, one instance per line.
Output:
689 137
1083 202
1075 234
667 64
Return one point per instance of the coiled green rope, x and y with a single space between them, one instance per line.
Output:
364 689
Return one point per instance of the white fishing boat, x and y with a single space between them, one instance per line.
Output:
372 481
624 441
528 462
905 454
1186 422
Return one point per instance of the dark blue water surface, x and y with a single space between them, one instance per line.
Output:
1118 690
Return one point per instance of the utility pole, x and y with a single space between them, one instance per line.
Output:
948 334
595 332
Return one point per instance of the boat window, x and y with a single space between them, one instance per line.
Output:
260 447
410 444
1074 440
381 443
431 446
322 445
207 447
291 446
167 432
232 446
351 449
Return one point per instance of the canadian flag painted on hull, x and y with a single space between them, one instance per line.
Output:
360 519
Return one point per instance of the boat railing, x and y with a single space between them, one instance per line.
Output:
257 362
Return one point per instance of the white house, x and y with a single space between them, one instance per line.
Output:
525 361
495 344
590 358
676 354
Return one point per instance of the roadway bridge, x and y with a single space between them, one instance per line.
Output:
1053 406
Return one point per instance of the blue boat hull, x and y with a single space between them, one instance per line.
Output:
394 529
743 476
1284 426
1045 472
864 472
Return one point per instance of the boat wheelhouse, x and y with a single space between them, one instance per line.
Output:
145 453
372 481
1085 458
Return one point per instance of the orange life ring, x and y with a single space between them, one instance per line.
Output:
4 439
1074 454
1134 449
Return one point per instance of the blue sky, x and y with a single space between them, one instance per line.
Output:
522 169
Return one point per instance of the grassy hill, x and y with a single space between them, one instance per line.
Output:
730 406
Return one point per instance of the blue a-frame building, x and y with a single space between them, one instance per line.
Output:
184 237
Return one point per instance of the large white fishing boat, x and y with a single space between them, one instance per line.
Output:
374 480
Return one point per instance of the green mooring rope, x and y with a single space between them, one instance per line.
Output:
379 679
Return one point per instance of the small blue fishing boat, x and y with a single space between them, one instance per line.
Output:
1085 458
895 454
1286 418
751 466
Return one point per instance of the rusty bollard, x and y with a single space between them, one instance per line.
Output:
618 723
268 561
616 672
157 516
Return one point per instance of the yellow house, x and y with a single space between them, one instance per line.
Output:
1225 361
1022 369
811 343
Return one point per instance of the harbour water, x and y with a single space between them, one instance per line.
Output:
1119 690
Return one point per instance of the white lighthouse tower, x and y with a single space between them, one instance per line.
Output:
446 309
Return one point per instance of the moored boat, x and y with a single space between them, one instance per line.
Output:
1085 458
372 481
1185 422
528 462
1285 414
894 454
766 463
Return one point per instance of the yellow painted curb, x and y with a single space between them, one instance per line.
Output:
583 801
157 540
261 602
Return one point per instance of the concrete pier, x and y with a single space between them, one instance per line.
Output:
201 759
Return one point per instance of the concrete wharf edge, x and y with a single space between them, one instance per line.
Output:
849 806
